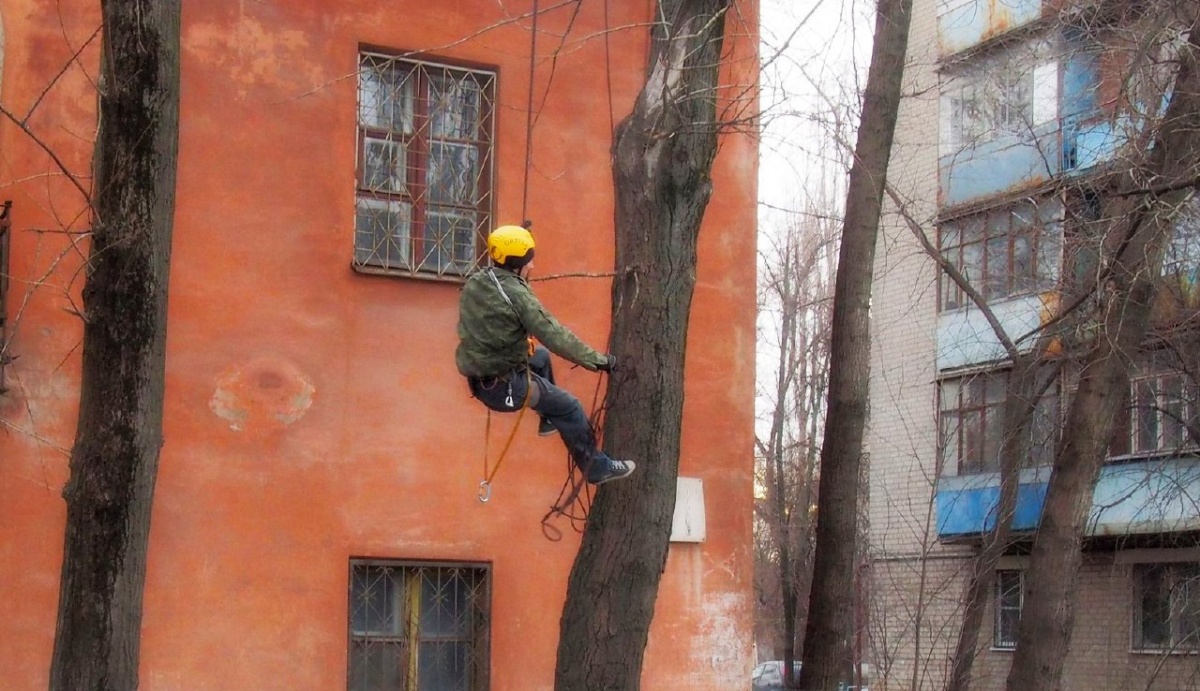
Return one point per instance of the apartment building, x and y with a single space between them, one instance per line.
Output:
1014 113
316 522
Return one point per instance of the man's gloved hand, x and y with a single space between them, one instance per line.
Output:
609 364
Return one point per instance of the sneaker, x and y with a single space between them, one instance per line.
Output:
545 429
614 471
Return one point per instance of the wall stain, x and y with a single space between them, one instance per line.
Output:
262 394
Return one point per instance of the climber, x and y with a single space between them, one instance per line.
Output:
497 313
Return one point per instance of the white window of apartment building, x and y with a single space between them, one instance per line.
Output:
1011 94
1166 607
1182 256
1010 598
971 423
1005 252
1163 403
424 191
418 626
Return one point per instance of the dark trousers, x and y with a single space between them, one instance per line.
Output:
506 394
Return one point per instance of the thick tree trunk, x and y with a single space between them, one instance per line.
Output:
115 457
1140 225
829 633
662 159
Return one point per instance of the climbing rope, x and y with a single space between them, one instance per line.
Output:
575 498
529 115
485 487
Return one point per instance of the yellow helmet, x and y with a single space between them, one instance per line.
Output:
509 242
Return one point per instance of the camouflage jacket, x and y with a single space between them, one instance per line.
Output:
496 313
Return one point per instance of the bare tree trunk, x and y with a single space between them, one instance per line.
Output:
115 457
829 631
1139 227
1021 399
662 161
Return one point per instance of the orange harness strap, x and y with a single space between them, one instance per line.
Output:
485 487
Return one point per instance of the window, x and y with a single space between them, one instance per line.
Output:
1014 250
1166 603
1010 598
971 420
1181 259
418 627
424 166
1011 94
1162 405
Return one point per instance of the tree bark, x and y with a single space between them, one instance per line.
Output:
115 457
662 160
1021 398
1139 228
829 635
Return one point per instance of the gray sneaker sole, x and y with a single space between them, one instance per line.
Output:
630 467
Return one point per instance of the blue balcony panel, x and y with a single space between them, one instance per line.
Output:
998 166
1132 498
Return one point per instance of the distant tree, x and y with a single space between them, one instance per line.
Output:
796 295
114 461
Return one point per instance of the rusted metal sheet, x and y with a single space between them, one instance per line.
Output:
997 167
965 23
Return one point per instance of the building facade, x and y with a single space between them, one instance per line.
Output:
1016 112
316 522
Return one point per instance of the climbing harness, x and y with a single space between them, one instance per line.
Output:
485 487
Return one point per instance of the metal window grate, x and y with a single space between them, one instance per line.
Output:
1166 600
424 195
418 627
1010 598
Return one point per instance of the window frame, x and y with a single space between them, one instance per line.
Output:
1175 574
1154 378
418 255
1000 641
1005 84
989 412
999 227
406 620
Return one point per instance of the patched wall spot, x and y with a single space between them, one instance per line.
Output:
262 394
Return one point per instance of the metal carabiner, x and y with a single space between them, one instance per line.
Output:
485 491
508 400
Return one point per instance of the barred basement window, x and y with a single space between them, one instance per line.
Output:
424 166
1166 603
418 627
1010 598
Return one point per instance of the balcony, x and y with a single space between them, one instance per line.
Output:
1132 497
963 24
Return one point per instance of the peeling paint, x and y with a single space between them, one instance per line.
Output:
255 55
965 23
264 393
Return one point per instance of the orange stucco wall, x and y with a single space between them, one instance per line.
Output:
313 413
